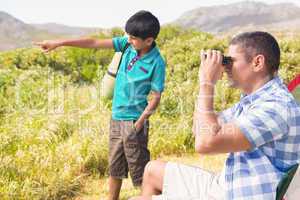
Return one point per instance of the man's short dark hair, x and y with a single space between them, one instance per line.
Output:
143 24
254 43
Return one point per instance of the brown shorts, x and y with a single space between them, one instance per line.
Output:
128 150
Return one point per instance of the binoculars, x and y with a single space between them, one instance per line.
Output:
226 60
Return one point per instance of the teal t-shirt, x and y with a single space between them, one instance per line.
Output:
136 77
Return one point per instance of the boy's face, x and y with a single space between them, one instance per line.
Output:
139 43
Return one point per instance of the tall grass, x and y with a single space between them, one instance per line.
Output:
54 126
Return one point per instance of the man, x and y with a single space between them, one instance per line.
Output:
261 133
142 70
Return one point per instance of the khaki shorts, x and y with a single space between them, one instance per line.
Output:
183 182
128 150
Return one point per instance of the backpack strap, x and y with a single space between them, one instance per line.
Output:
123 50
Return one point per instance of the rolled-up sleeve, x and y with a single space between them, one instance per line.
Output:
226 115
264 123
119 43
158 78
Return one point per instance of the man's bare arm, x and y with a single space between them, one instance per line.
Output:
210 135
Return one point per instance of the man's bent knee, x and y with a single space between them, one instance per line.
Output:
155 168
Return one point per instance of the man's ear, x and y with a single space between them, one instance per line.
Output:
258 63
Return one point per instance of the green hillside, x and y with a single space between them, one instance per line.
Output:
54 125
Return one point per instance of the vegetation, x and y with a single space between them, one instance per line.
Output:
54 125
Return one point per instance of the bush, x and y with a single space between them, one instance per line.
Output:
54 126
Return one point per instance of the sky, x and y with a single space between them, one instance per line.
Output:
104 14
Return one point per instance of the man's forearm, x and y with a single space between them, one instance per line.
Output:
205 119
204 106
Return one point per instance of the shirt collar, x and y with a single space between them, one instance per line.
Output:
262 91
148 57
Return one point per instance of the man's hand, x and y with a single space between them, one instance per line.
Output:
48 45
211 68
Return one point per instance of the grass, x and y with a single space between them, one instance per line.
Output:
54 126
50 152
97 189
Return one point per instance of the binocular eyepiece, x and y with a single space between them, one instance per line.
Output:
226 60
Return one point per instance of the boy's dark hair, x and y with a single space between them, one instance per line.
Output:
143 24
254 43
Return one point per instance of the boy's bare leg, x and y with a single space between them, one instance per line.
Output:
114 185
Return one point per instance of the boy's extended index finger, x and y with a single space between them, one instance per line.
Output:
38 43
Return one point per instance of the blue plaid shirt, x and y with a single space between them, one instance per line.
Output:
270 119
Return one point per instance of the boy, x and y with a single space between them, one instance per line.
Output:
142 70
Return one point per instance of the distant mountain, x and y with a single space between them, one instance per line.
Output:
229 19
60 29
246 15
14 33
